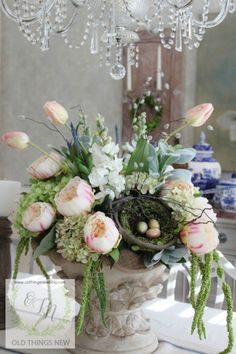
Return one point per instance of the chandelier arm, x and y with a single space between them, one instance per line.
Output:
69 24
30 19
218 19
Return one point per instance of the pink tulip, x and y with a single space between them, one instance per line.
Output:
76 198
200 238
101 234
38 217
55 112
16 140
46 166
198 115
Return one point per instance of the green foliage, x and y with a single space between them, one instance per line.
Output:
93 279
47 243
193 274
186 155
200 302
139 158
135 248
85 297
115 254
169 256
141 104
147 158
79 156
41 267
229 305
153 160
78 159
229 319
21 247
99 287
103 296
203 295
169 154
40 191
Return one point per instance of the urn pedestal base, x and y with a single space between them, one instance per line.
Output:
135 344
128 286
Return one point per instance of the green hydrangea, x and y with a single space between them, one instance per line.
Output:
40 191
143 182
70 240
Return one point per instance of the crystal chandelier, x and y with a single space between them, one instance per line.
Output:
110 25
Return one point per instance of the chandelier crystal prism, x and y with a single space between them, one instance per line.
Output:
110 25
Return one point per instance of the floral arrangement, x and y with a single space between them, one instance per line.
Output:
92 198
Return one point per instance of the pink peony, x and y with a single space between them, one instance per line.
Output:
38 217
75 198
200 238
101 234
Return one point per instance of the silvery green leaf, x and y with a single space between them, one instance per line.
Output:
170 249
186 155
168 159
153 160
150 260
174 254
184 175
177 249
163 146
157 256
47 243
173 260
165 258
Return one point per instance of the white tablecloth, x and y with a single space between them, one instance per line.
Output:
164 348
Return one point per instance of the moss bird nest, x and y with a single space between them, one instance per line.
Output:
129 211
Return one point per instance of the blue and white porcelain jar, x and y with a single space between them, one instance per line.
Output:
225 195
206 170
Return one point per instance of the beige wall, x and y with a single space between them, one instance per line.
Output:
30 77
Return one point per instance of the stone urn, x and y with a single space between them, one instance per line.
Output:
129 285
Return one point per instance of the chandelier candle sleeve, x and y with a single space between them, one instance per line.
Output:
159 68
129 71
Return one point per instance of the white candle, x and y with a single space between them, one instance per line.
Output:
9 192
159 71
129 71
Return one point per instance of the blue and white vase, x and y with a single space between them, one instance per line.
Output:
206 170
225 195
